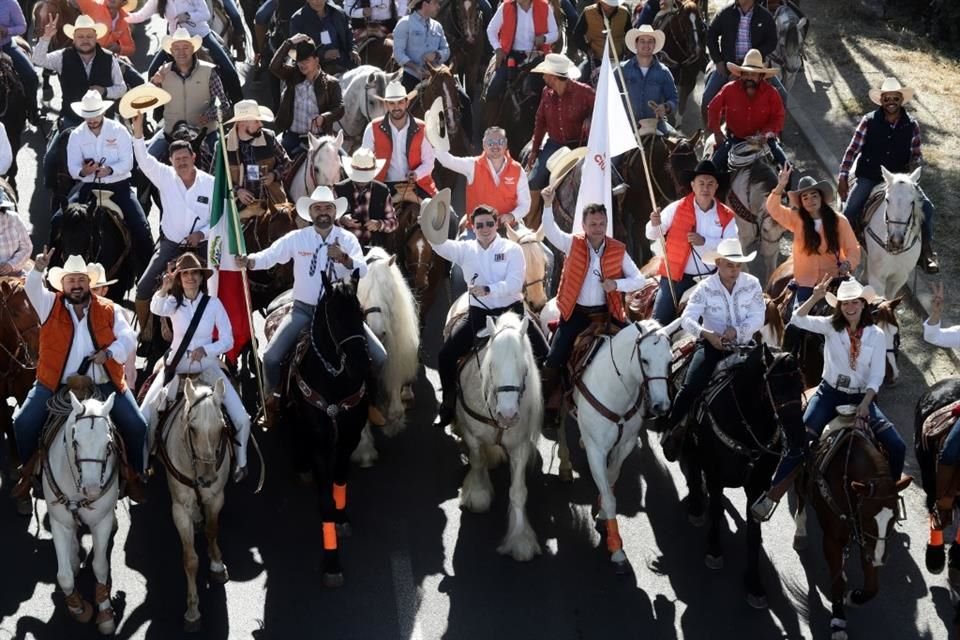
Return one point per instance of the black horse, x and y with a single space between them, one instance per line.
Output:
738 443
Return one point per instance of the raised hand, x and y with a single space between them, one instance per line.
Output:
168 277
50 28
42 261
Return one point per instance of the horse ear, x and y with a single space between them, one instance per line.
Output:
372 78
895 302
540 233
524 324
395 76
915 176
312 141
902 483
339 139
108 404
887 175
326 283
188 390
76 404
355 278
802 26
391 260
511 234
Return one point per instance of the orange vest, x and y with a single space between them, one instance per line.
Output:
509 28
383 149
56 337
684 222
485 190
575 270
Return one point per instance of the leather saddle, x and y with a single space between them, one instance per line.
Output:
587 346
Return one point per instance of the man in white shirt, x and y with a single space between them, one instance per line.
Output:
725 309
375 13
518 30
185 196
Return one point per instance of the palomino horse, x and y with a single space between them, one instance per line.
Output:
500 413
855 499
81 487
259 232
464 25
738 444
320 167
536 279
684 48
893 216
194 444
791 34
362 88
610 414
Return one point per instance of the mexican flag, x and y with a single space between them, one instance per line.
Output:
226 241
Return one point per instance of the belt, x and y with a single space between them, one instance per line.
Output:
600 308
847 390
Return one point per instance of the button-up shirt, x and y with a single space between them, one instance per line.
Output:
524 35
82 346
183 209
746 116
500 266
743 34
197 25
359 214
380 10
860 135
113 146
837 372
713 308
654 83
466 167
214 317
12 19
708 226
591 291
414 37
940 337
566 118
397 171
15 243
305 107
308 250
54 62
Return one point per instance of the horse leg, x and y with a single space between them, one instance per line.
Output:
520 542
565 471
756 595
68 562
714 556
366 453
597 458
211 508
833 552
183 520
341 470
477 491
696 496
101 532
323 476
800 522
871 583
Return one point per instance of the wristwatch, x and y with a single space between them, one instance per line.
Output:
108 353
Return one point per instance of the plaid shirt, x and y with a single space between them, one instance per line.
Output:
248 156
743 34
566 118
856 144
305 107
360 213
15 242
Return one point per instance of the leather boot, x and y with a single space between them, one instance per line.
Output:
271 411
549 382
144 319
447 409
672 441
928 257
135 489
21 490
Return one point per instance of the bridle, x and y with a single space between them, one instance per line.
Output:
910 225
365 111
27 361
688 48
195 458
414 266
310 174
529 239
333 371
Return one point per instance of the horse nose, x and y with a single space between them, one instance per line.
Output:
660 408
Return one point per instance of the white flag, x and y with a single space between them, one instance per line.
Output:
610 135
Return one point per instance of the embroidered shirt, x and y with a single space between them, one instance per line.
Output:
714 308
113 146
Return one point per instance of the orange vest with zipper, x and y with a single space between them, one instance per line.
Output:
485 190
541 13
575 270
684 222
383 149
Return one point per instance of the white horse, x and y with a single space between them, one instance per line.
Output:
195 448
791 35
81 487
892 237
535 257
321 166
391 313
626 380
500 411
362 88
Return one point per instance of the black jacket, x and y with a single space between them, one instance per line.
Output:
722 34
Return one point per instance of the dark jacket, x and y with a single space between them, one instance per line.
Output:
326 87
306 20
885 146
74 81
722 34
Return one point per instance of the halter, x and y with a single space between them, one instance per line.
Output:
27 361
690 51
909 224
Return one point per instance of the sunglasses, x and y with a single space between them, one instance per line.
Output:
489 225
891 99
495 143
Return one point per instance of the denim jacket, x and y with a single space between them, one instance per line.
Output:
657 85
416 36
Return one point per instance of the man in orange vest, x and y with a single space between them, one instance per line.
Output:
519 30
86 334
399 139
596 273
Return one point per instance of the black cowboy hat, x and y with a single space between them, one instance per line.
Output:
306 49
705 168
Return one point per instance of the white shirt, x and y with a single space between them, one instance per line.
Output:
6 152
214 316
500 266
125 341
54 62
181 206
524 35
301 246
197 25
114 145
708 227
940 337
871 363
467 166
397 171
713 308
380 10
591 292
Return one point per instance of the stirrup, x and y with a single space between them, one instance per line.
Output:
763 509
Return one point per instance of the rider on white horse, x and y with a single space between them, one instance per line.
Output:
181 296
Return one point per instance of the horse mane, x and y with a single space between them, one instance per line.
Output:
507 344
689 6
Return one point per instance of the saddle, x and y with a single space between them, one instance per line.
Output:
640 303
933 434
723 375
587 345
405 192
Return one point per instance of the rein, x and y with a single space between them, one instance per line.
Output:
222 448
690 53
28 361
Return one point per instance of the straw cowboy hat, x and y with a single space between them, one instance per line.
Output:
142 99
435 217
250 111
648 127
645 30
190 262
73 265
181 35
99 280
729 249
752 63
436 127
92 105
320 194
362 166
891 85
85 22
395 91
557 64
808 183
562 161
850 289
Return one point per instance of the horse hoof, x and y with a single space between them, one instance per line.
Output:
220 577
106 624
757 602
333 580
800 543
565 475
192 626
936 558
344 530
713 562
24 507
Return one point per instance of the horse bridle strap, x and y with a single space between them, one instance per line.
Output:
178 475
313 397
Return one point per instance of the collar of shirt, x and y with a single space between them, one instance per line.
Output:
748 14
193 65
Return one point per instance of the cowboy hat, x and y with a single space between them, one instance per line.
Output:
891 85
362 166
73 265
92 105
99 280
320 194
645 30
303 50
562 161
729 249
435 217
704 168
250 111
395 91
557 64
808 183
190 262
181 35
130 6
850 289
85 22
142 99
752 63
648 127
435 125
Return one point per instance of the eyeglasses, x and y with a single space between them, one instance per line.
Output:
489 225
495 142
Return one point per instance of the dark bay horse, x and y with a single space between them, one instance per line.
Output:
516 109
466 32
442 84
259 232
684 49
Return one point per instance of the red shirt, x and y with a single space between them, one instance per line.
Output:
745 116
566 118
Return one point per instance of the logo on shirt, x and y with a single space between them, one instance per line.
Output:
499 257
203 199
111 142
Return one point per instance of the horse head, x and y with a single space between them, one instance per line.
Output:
681 26
374 87
467 19
337 328
204 426
683 158
323 158
417 258
508 370
80 232
442 84
791 33
885 316
653 353
534 284
902 213
90 448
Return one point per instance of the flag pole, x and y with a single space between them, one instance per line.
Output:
643 156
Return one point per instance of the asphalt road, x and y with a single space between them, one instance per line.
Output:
417 567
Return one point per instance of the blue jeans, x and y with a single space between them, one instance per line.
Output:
225 67
265 12
950 454
28 75
293 143
717 79
125 414
857 200
663 310
539 176
234 14
723 151
702 365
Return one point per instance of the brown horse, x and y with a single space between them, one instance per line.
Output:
684 49
259 232
466 33
441 84
375 46
60 10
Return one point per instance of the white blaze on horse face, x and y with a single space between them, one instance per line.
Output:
468 27
883 521
890 332
448 110
656 358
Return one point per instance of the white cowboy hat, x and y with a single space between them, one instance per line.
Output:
752 63
435 217
250 111
99 280
73 265
729 249
362 166
850 289
891 85
85 22
142 99
92 105
557 64
320 194
396 91
181 34
436 127
562 161
645 30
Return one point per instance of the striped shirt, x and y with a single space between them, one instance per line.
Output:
743 34
856 144
15 243
305 107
